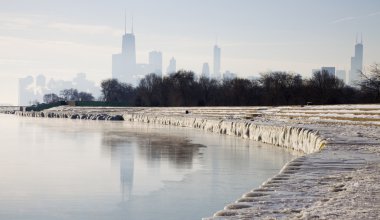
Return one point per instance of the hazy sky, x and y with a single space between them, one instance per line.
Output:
61 38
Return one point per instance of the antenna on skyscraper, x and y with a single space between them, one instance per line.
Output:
125 21
132 25
356 37
361 38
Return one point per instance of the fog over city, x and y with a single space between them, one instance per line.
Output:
60 39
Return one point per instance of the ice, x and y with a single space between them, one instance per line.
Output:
296 138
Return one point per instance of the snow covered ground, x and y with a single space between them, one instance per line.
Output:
341 181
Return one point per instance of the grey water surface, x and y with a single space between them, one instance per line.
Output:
72 169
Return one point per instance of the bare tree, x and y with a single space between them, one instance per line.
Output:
371 81
85 96
114 91
149 90
70 94
208 91
281 87
50 98
325 88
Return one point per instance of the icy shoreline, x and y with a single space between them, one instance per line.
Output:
341 181
295 138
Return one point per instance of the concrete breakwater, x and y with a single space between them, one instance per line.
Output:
9 109
69 115
295 138
291 137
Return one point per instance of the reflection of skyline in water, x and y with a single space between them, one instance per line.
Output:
156 151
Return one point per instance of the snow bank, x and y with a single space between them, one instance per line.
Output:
296 138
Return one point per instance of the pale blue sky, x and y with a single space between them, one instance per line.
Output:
61 38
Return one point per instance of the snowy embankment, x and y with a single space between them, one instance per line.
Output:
295 138
338 182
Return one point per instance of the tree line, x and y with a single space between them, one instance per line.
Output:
68 95
183 88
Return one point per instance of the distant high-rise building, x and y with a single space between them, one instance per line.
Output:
205 70
155 63
217 53
329 70
229 75
356 63
40 87
26 91
124 63
172 68
341 74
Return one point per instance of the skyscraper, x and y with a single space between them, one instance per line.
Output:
216 72
172 68
155 63
229 75
329 70
205 70
124 63
356 63
341 74
26 91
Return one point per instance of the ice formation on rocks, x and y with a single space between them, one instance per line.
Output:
299 139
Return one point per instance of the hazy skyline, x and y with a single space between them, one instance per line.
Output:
62 38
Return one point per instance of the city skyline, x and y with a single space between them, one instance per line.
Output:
61 39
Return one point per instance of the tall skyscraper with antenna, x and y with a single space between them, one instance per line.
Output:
356 62
217 55
124 63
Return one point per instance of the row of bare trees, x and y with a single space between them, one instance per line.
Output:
183 88
68 95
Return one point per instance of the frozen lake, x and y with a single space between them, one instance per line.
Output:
71 169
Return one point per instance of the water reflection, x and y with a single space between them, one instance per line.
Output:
178 151
118 147
159 157
155 147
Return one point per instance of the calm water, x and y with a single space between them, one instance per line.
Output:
68 169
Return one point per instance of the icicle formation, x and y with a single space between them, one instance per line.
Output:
299 139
